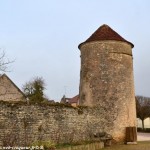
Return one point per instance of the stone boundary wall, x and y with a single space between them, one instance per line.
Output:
21 124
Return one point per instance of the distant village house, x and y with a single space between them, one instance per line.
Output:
74 101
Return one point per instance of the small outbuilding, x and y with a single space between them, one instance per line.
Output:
9 91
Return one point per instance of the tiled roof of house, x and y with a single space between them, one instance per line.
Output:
104 32
75 99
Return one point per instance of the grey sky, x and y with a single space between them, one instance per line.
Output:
43 37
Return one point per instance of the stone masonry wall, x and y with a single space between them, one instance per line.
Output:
106 80
22 124
8 91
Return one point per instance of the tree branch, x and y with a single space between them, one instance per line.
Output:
4 62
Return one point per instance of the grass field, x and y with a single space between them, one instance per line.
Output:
139 146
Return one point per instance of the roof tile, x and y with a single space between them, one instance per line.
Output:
75 99
104 32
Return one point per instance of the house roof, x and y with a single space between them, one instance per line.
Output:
4 75
75 99
104 32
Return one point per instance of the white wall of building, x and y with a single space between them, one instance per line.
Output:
146 123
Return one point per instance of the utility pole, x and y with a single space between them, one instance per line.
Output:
65 90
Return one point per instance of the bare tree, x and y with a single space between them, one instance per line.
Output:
4 65
142 108
4 61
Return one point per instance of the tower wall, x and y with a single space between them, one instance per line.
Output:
106 81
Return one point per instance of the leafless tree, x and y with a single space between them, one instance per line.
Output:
142 108
4 67
4 61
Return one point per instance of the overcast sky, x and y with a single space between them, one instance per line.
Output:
43 37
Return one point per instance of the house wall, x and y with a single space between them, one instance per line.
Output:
8 92
74 104
146 123
25 124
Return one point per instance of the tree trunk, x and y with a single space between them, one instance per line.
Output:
143 124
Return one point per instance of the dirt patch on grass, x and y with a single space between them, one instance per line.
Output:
140 146
143 136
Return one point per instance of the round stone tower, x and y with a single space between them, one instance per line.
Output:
106 77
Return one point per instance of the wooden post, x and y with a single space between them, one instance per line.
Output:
131 135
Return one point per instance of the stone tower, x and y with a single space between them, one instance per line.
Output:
106 77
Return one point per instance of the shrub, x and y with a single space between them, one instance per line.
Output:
146 130
47 145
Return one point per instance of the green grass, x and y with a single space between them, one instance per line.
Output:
65 145
140 146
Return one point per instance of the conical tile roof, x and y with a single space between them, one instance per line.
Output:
104 32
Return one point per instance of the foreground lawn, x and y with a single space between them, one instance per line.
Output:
140 146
